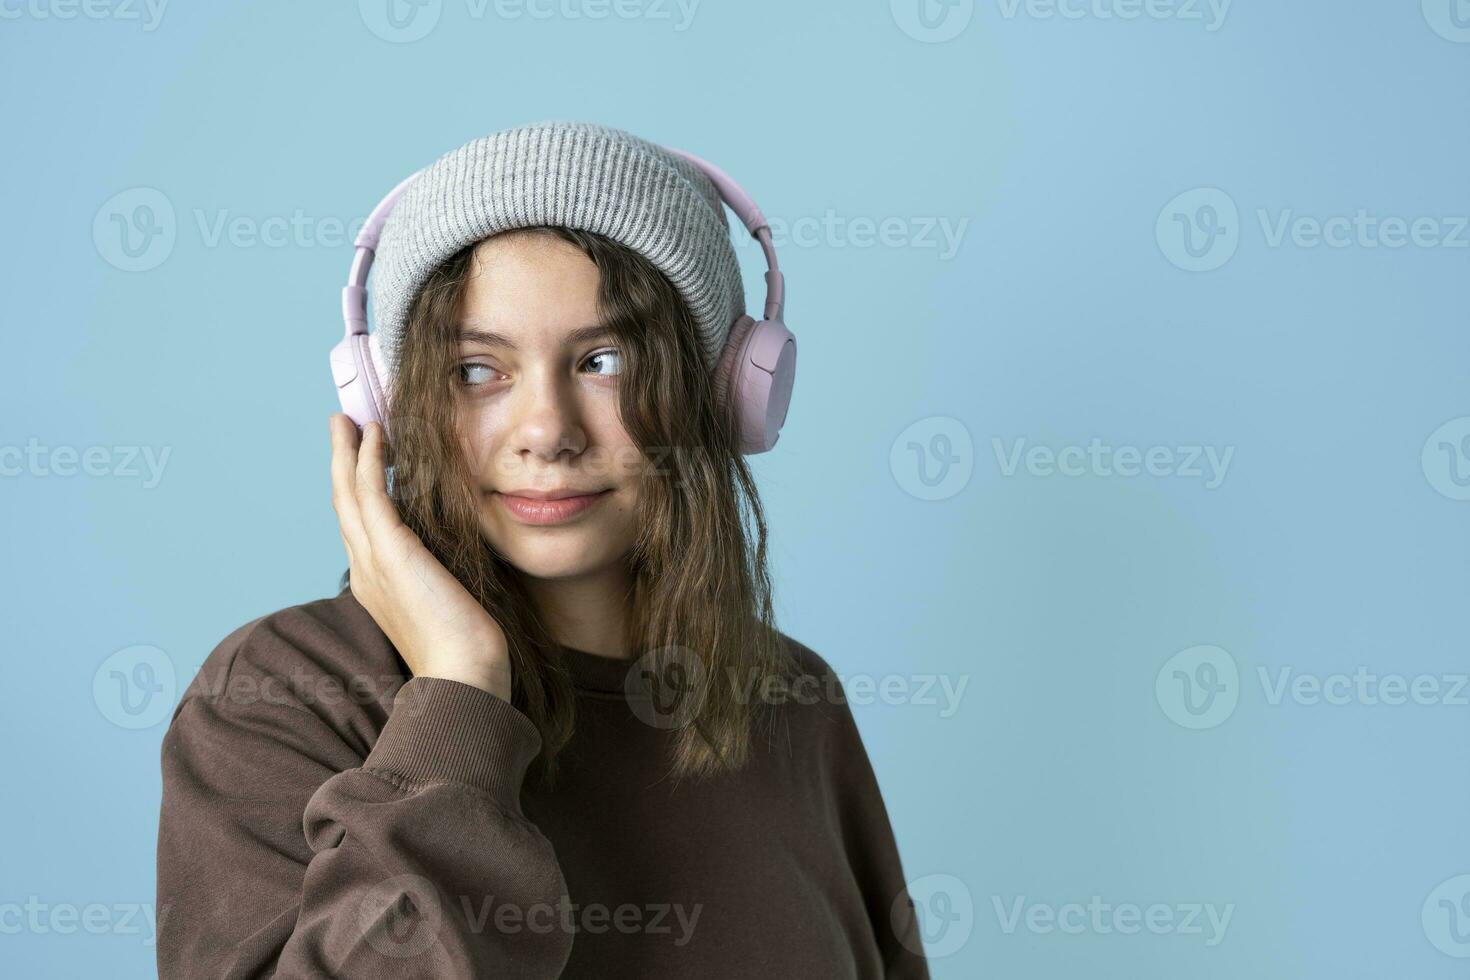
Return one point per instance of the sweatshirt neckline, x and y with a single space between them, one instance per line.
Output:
594 672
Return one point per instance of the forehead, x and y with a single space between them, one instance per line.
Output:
530 289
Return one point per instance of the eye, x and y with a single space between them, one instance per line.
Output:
474 373
610 359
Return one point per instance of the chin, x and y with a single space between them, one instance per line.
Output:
556 552
543 563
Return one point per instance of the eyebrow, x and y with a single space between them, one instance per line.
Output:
469 333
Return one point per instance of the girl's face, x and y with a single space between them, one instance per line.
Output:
537 395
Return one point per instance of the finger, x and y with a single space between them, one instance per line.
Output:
344 478
378 512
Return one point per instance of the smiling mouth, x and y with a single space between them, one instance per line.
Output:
530 510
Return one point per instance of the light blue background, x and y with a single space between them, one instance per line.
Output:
1057 599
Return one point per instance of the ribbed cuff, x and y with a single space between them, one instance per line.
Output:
448 731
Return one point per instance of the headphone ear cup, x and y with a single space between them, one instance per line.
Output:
730 356
357 387
755 377
378 376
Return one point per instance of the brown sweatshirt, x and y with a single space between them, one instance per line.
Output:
325 814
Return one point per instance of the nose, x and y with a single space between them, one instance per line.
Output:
546 419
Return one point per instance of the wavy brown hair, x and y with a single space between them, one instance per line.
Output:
701 616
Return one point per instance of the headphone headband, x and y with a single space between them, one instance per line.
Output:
365 245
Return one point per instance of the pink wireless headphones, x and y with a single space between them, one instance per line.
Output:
757 367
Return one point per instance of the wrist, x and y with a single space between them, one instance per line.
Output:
490 678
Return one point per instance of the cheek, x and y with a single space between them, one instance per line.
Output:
617 463
611 453
477 444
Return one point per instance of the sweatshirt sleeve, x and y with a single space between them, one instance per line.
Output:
283 852
873 852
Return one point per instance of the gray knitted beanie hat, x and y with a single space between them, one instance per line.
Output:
579 175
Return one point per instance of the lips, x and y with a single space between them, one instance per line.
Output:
558 493
549 507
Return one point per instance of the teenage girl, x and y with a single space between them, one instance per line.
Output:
547 727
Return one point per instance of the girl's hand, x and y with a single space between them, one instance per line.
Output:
437 626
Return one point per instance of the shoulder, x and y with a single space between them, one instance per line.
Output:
813 691
822 700
311 655
811 671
